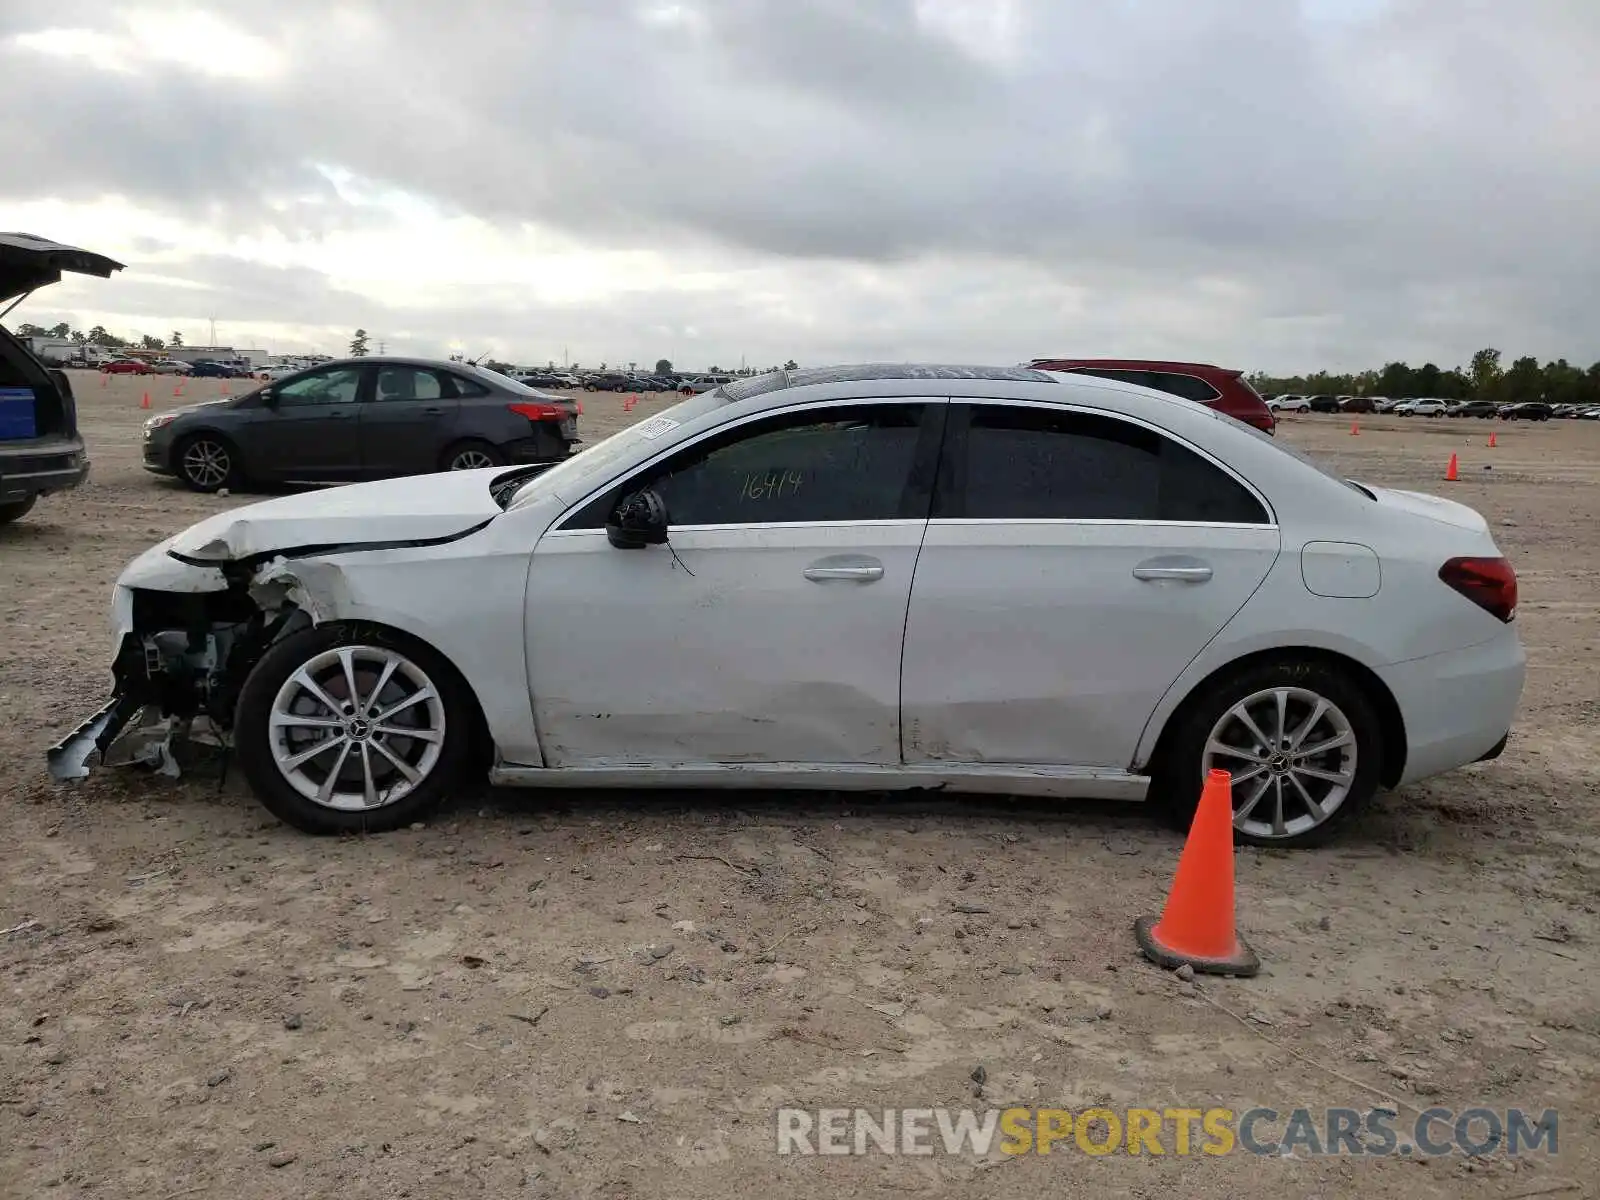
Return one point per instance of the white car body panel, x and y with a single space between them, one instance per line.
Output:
387 510
1033 642
666 667
598 665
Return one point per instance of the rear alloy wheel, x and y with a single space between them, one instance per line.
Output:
341 730
473 456
1301 741
205 463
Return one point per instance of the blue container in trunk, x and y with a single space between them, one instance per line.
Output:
17 419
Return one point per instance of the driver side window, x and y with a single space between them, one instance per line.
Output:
340 385
851 463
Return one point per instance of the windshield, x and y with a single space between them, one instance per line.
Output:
609 449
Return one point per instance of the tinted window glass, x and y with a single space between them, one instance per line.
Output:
1190 387
854 464
469 387
338 386
1025 463
408 383
1141 378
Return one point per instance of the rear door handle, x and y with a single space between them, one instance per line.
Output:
1156 570
845 567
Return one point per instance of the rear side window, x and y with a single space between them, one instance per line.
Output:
1190 387
1011 462
465 387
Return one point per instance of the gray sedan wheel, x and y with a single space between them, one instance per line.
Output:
205 462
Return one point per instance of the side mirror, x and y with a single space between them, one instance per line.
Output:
639 520
269 397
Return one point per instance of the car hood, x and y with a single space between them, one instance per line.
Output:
28 262
417 508
200 406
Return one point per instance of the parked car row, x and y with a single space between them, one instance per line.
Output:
1527 410
200 368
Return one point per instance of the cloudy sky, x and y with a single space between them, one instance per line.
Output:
1275 184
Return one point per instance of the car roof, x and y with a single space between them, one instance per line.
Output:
772 381
1132 364
28 261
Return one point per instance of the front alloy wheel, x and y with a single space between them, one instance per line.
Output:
205 463
356 728
343 728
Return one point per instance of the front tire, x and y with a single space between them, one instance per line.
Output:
1302 740
206 462
348 728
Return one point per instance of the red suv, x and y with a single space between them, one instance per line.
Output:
1215 387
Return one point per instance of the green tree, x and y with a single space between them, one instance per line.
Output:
60 330
791 365
176 340
358 344
26 329
663 366
150 342
79 336
1485 370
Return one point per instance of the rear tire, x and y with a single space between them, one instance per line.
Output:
471 456
1337 781
16 510
426 695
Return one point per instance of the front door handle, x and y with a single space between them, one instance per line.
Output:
1190 572
844 567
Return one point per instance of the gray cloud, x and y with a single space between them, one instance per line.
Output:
1237 181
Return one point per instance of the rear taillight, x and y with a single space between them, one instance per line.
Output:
1490 583
539 412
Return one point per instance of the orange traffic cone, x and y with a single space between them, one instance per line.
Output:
1492 442
1355 429
177 390
1196 926
1450 474
225 390
145 403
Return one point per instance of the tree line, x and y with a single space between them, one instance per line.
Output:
99 336
1555 382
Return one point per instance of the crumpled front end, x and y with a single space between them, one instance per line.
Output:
186 636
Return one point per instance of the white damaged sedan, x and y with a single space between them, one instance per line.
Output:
881 577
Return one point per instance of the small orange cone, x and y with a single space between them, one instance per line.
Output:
1196 926
1355 429
177 390
1450 474
1492 442
225 390
145 403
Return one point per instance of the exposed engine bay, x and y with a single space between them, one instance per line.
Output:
177 673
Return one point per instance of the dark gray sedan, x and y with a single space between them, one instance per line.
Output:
362 418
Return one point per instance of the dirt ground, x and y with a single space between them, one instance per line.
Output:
607 995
